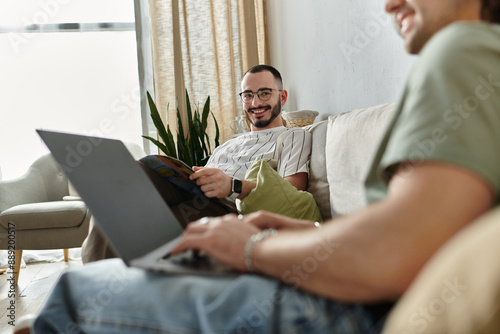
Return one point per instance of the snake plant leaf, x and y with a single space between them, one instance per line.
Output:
164 133
170 143
205 113
189 113
203 127
180 127
217 132
197 139
184 151
192 145
155 116
159 144
192 139
202 138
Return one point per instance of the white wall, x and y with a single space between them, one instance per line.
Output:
336 55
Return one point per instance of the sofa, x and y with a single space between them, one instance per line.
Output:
458 290
342 148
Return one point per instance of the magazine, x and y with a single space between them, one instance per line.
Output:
174 170
177 172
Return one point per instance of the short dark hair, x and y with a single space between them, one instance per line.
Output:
490 10
274 72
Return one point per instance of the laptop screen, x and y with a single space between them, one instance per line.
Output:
125 203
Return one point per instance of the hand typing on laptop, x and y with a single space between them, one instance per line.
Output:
222 238
226 238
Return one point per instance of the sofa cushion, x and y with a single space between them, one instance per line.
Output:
352 138
458 290
318 183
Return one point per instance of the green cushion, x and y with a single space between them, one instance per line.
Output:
275 194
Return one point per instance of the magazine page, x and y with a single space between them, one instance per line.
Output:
174 170
177 172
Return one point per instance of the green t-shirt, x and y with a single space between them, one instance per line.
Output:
450 108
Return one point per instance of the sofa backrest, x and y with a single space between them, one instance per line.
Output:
338 169
318 182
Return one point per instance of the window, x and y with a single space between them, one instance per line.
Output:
67 65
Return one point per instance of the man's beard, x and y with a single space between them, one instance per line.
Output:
275 111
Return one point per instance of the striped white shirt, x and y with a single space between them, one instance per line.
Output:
236 156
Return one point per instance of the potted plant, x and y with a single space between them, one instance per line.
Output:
193 147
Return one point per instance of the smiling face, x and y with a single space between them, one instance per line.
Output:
263 114
418 20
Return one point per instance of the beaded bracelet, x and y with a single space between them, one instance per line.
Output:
255 239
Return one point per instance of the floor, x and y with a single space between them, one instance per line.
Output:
35 282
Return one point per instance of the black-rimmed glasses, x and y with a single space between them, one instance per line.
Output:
264 94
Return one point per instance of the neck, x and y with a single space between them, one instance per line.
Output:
470 11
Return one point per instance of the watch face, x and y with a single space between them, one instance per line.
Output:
237 186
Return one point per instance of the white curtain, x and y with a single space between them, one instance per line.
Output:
205 46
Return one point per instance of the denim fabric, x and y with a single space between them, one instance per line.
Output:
108 297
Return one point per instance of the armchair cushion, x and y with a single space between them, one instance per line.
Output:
56 214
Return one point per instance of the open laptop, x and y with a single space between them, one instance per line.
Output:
131 213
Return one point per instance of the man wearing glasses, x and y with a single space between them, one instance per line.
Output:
223 176
263 97
350 269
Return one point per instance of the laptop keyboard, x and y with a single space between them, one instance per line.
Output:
191 259
198 261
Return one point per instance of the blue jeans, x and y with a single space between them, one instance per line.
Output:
108 297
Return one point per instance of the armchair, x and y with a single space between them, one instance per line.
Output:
36 212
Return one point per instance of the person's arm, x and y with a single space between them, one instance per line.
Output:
298 180
294 158
376 253
368 256
215 183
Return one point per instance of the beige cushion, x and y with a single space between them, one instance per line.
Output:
352 138
45 215
458 291
318 183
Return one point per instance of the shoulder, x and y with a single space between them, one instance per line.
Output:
459 42
237 140
455 56
296 131
465 35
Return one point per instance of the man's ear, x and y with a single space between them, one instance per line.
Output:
283 97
